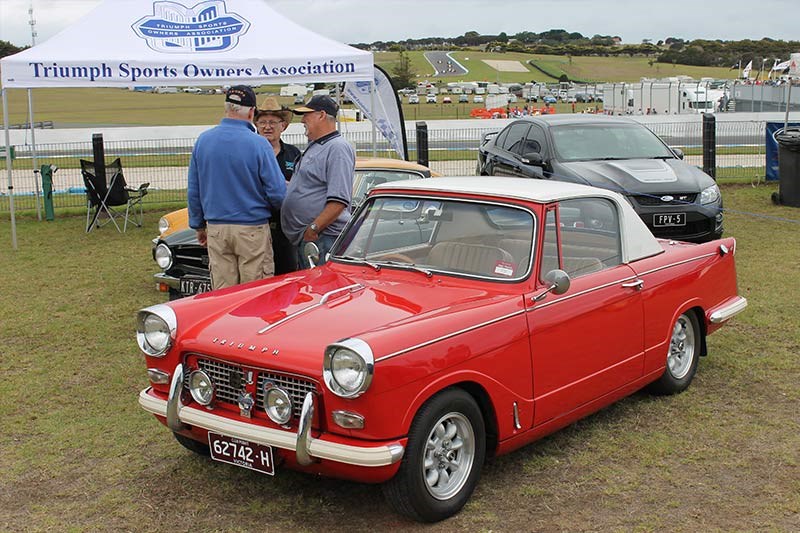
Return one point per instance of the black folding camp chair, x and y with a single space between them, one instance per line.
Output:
103 195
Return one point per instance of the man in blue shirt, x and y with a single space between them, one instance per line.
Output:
235 184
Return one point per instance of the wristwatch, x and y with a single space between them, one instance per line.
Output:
314 228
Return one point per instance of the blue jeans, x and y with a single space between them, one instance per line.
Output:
323 242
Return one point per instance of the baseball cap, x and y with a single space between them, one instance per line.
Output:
319 102
242 95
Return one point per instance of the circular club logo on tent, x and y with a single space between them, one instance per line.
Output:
204 27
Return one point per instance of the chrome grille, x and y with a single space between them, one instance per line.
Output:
221 373
297 389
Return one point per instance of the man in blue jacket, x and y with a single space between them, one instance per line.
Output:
235 184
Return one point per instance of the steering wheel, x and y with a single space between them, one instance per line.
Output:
400 258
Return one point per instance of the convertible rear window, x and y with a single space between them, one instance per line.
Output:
473 239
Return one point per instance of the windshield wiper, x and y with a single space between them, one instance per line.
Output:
376 266
409 266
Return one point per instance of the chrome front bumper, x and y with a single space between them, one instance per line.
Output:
170 281
306 448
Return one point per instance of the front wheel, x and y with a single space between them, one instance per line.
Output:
682 356
442 462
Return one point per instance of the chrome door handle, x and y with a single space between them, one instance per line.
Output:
638 284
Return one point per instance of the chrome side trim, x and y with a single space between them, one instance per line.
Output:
517 425
449 335
303 438
581 293
678 263
173 413
319 448
728 311
325 297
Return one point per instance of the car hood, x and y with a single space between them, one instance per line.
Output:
288 321
642 175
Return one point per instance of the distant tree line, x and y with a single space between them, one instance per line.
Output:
7 49
700 52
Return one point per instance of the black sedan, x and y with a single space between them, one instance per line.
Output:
676 200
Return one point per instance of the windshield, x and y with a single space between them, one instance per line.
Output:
473 239
585 142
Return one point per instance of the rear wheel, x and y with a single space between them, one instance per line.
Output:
193 445
682 356
442 462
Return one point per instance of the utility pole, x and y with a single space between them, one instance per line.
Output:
32 22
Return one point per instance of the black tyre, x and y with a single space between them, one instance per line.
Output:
683 355
193 445
174 295
442 461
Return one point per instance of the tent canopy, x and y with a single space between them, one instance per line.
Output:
127 43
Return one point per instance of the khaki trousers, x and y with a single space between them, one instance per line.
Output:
238 254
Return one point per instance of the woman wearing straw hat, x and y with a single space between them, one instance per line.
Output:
271 120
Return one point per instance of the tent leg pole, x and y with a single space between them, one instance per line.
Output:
372 107
8 168
33 155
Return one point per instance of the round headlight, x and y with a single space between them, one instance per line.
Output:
348 367
163 225
277 404
155 329
163 256
201 387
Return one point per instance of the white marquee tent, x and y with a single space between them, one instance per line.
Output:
128 43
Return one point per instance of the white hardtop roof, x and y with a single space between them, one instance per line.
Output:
128 43
637 240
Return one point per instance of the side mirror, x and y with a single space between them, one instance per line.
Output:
533 158
558 281
311 251
678 152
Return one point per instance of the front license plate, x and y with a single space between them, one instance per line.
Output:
191 286
242 453
671 219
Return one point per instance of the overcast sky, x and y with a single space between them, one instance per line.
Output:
353 21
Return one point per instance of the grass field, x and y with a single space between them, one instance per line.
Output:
106 106
78 454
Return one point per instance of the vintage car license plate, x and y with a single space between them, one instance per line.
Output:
242 453
194 286
671 219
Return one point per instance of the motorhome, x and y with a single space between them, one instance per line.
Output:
673 97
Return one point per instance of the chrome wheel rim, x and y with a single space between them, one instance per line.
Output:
681 348
449 456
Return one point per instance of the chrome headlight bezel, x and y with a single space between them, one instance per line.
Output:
277 404
710 195
155 329
348 352
163 225
163 256
198 379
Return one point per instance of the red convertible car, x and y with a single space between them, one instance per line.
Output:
457 318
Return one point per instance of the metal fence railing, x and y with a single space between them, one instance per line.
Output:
452 151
